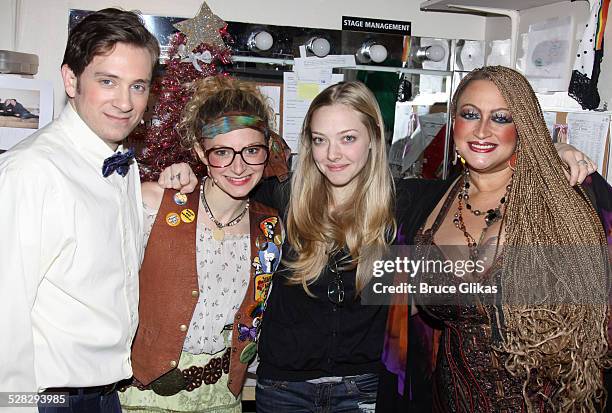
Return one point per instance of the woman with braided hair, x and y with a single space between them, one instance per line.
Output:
542 346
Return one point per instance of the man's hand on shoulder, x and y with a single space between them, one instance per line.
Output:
178 176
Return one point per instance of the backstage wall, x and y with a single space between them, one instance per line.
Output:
41 25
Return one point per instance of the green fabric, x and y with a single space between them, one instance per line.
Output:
384 85
214 398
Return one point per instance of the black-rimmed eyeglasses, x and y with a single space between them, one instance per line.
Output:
223 156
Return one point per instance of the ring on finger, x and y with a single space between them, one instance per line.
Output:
583 162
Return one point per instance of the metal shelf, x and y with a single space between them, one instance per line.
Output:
492 8
289 62
518 5
264 60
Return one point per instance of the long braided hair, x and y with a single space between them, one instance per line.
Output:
554 290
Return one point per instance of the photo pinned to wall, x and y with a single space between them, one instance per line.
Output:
559 134
274 94
26 105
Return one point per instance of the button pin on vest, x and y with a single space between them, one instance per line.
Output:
183 327
173 363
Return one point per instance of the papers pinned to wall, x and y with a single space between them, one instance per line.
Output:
298 93
588 132
547 59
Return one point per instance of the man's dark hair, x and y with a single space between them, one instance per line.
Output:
98 33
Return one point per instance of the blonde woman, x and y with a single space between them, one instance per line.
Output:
321 345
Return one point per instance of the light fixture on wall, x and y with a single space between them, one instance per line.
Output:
434 53
260 41
318 46
371 51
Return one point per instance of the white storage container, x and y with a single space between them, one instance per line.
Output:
18 63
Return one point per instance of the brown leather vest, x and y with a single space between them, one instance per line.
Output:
169 289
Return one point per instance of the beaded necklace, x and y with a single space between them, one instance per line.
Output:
219 233
490 217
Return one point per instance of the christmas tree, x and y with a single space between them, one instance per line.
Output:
195 52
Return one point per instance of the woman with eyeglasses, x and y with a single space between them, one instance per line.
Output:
320 346
209 258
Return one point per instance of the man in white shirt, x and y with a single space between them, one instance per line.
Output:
71 235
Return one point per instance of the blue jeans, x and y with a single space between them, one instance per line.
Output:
88 403
352 394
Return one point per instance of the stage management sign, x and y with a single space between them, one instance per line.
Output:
362 24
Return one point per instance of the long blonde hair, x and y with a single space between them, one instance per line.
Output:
561 343
366 224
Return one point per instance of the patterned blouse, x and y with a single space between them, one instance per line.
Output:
223 277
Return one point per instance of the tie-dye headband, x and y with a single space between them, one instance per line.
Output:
230 122
279 150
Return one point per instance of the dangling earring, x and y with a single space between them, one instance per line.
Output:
512 162
458 156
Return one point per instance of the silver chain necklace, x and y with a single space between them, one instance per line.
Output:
219 233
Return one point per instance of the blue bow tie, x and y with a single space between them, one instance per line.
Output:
119 162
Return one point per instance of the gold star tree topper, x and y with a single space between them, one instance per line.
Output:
203 28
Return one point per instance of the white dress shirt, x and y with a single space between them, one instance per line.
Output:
71 245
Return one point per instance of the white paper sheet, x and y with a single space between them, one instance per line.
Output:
329 62
588 132
297 95
547 60
405 122
500 53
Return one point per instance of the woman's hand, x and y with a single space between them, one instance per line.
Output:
178 176
580 165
